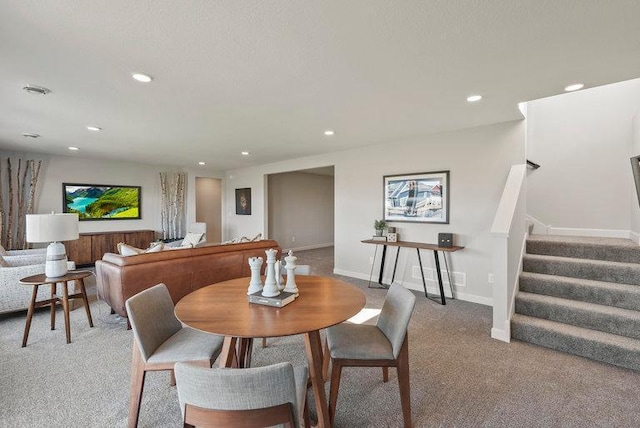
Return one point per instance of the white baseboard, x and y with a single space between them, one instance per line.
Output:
308 247
502 335
597 233
543 229
487 301
538 227
351 274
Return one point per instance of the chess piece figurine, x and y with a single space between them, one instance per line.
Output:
255 263
270 288
279 279
291 286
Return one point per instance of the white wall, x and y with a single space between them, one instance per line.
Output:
301 210
583 142
74 169
478 159
209 206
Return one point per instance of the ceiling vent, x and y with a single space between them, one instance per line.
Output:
38 90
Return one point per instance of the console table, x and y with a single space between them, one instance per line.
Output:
90 247
418 246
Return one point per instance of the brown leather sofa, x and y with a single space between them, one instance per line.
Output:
182 270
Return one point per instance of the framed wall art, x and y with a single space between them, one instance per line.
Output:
243 201
101 201
417 198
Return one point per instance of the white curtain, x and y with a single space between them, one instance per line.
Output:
172 185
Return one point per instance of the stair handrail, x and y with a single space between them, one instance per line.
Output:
532 164
509 232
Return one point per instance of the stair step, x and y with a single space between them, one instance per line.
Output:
608 249
604 293
623 322
606 347
618 272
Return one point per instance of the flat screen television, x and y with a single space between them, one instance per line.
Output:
101 201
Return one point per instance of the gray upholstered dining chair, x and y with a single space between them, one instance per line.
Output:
242 398
160 340
382 345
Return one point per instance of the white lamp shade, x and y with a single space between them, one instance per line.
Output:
52 227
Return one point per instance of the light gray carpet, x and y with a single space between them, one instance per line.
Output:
460 377
581 295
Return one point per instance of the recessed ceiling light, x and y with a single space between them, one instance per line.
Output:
201 163
94 128
37 90
474 98
574 87
329 132
75 149
245 153
141 77
30 135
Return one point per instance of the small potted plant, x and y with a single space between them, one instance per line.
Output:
379 226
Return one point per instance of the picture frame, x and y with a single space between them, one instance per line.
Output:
94 202
243 201
417 198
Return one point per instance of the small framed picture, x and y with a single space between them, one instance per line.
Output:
243 201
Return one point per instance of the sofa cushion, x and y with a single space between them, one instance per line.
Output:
191 239
129 250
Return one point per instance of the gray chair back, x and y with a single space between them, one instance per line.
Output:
395 315
152 319
236 389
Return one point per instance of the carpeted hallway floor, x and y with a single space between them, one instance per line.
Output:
460 377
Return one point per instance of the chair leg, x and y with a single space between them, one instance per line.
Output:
326 359
336 370
403 383
264 342
172 379
137 385
385 374
305 415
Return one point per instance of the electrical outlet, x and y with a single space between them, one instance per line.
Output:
490 279
293 239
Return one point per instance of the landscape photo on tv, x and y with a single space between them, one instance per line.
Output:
101 202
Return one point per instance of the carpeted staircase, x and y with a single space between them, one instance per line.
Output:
581 296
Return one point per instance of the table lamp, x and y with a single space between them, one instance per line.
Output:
53 228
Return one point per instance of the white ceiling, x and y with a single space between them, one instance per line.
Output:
270 76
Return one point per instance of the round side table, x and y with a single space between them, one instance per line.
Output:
41 279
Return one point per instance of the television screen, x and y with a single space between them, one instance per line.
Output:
101 202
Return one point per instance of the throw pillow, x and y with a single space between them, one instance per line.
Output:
191 239
128 250
155 248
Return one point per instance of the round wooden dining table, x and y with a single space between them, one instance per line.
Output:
224 309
